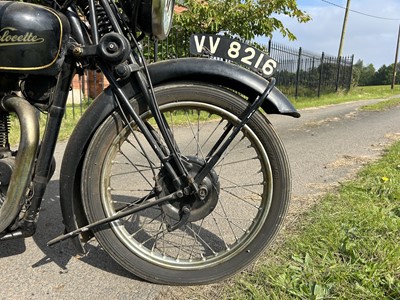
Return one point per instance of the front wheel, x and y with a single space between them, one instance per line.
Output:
249 189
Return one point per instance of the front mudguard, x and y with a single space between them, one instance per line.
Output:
225 74
189 69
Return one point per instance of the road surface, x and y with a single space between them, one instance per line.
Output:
325 146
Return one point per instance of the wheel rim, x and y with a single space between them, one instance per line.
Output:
242 207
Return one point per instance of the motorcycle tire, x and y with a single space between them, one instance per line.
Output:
248 189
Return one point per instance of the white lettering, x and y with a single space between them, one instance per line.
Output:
233 51
268 67
214 46
199 45
247 59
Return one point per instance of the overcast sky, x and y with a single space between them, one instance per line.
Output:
371 39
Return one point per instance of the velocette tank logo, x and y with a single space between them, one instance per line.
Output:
10 36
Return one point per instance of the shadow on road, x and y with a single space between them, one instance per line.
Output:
49 226
10 248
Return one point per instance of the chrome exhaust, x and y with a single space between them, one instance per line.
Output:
25 158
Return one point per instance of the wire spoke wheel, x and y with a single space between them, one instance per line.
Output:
245 195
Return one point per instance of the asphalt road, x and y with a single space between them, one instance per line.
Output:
325 147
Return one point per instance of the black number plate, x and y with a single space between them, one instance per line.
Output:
233 50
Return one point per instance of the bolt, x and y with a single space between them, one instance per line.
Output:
185 209
77 51
112 47
203 192
187 191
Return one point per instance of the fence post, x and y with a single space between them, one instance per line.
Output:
269 46
167 48
339 61
310 75
297 75
351 72
176 45
321 70
155 50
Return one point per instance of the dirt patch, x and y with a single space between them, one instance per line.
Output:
314 124
347 161
211 291
393 137
351 115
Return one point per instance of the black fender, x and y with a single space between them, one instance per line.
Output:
186 69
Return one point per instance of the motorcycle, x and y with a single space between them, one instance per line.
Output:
174 168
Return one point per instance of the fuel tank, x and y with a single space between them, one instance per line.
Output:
33 38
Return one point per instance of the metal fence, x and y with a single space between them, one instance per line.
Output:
300 73
303 73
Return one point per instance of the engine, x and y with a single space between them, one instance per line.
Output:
7 160
33 44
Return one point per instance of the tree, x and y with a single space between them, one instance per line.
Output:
367 75
244 19
357 68
383 76
363 75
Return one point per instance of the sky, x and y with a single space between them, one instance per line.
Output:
371 39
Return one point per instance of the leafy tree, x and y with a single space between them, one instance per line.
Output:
363 75
244 19
367 75
383 76
357 68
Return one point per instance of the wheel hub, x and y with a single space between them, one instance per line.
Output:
202 204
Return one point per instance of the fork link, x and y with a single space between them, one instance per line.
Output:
124 71
185 214
161 122
179 169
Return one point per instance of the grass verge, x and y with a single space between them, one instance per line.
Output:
71 118
354 94
347 247
383 105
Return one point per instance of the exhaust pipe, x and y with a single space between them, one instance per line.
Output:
25 159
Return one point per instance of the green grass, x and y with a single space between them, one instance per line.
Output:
348 246
71 117
383 105
356 93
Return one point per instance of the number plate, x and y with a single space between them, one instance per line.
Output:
230 49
